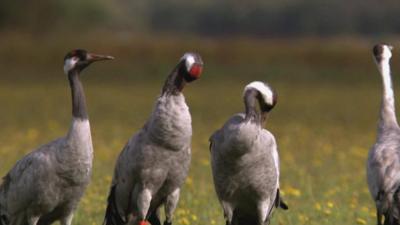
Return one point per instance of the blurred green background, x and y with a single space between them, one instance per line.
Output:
316 54
206 17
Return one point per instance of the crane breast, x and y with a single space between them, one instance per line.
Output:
170 124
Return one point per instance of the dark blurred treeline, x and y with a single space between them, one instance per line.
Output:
205 17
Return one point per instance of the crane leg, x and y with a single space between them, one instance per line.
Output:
33 220
67 220
228 211
143 205
262 209
170 205
378 217
154 218
23 219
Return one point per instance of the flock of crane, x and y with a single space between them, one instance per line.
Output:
47 184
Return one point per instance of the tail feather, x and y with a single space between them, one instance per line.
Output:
112 216
279 201
391 220
392 216
154 218
4 219
241 218
4 185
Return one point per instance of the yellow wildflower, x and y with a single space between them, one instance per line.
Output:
327 212
303 218
292 191
361 221
189 181
180 212
317 206
205 162
184 221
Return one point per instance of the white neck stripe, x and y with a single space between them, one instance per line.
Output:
69 64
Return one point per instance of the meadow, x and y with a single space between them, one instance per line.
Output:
325 120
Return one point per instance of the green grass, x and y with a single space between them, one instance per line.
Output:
324 121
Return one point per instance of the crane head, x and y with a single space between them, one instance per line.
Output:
382 52
79 59
192 64
266 96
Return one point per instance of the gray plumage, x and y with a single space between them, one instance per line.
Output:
47 184
383 165
245 161
155 162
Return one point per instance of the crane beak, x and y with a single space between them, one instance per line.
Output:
91 57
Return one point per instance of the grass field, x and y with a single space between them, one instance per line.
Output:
324 122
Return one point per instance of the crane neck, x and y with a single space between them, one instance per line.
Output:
387 114
79 109
175 81
252 114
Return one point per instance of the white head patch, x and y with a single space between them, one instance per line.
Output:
70 64
387 52
265 91
189 60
